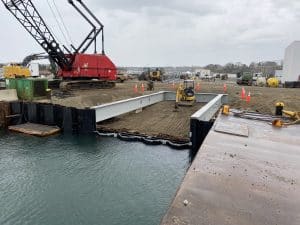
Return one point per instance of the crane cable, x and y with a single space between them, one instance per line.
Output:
63 23
59 27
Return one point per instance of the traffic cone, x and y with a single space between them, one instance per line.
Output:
143 88
198 88
243 93
135 89
248 97
173 85
225 88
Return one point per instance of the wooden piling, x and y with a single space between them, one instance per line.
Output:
4 114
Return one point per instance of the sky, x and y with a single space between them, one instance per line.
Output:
167 32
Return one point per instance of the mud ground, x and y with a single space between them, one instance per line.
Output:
160 118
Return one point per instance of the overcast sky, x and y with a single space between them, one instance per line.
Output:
169 32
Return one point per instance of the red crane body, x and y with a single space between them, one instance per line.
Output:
90 66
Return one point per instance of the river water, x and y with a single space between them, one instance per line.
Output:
86 180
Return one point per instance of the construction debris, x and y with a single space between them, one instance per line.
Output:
35 129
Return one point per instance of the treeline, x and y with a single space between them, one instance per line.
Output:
267 68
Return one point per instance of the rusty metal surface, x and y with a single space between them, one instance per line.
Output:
4 113
238 180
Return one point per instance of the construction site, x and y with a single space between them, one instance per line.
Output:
238 128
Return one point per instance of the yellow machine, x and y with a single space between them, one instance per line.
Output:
155 75
15 71
294 116
273 82
185 95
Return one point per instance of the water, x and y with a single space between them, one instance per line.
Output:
86 180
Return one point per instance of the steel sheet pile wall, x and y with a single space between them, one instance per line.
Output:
70 120
202 121
199 131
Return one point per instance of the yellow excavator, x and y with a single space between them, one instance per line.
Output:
185 94
156 75
21 70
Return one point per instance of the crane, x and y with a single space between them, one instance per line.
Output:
76 67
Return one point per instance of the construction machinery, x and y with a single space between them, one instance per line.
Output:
121 77
77 68
156 75
293 116
24 69
15 70
224 76
185 94
273 82
244 78
150 74
260 81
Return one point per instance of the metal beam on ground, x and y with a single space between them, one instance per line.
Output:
107 111
207 112
110 110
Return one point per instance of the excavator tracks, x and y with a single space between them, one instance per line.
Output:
86 84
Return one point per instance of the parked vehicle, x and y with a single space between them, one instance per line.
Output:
208 77
224 76
244 78
121 77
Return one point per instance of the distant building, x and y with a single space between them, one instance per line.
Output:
291 65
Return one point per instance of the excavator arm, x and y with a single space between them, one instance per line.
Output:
32 57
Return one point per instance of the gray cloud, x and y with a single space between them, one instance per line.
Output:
200 8
190 32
